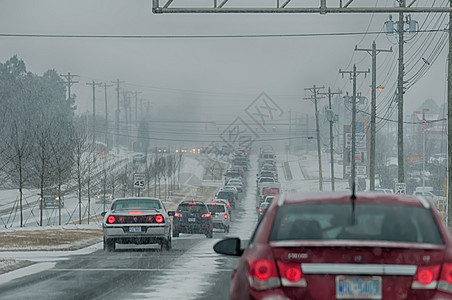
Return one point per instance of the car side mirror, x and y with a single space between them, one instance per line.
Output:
171 213
103 213
229 246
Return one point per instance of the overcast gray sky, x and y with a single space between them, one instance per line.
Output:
216 78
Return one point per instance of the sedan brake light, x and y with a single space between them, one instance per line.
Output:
426 277
291 274
206 215
159 219
111 219
177 215
225 216
445 280
263 274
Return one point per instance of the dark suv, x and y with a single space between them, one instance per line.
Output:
192 217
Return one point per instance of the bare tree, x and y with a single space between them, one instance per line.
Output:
61 162
179 162
81 162
20 146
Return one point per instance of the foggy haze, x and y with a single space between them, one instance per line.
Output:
210 75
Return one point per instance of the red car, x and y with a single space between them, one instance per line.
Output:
342 246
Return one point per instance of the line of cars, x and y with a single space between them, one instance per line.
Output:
268 187
145 220
204 217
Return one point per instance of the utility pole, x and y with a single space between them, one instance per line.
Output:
314 90
449 124
290 130
69 83
353 75
136 107
400 91
94 84
117 114
373 52
331 119
106 112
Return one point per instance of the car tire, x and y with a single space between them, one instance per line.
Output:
209 234
175 233
109 245
166 244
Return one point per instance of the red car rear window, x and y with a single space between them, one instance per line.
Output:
369 222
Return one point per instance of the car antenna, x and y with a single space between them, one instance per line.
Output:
353 199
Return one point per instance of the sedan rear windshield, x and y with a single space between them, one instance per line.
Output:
225 195
136 204
194 208
233 174
369 222
216 208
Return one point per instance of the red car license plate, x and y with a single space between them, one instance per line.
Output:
358 287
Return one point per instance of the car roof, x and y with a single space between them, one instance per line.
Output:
192 203
136 198
345 197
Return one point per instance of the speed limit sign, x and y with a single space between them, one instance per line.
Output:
139 180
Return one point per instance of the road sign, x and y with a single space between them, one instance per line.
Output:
400 188
360 140
139 180
359 170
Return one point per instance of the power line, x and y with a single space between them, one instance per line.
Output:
102 36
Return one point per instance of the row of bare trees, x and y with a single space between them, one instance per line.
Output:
36 128
44 146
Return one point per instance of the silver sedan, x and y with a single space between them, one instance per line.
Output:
136 220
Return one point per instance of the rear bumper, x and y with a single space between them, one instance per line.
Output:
147 235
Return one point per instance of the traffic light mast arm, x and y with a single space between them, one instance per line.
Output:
322 9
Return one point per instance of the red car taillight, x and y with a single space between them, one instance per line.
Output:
426 277
111 219
445 280
226 216
159 219
177 215
206 215
263 274
291 274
